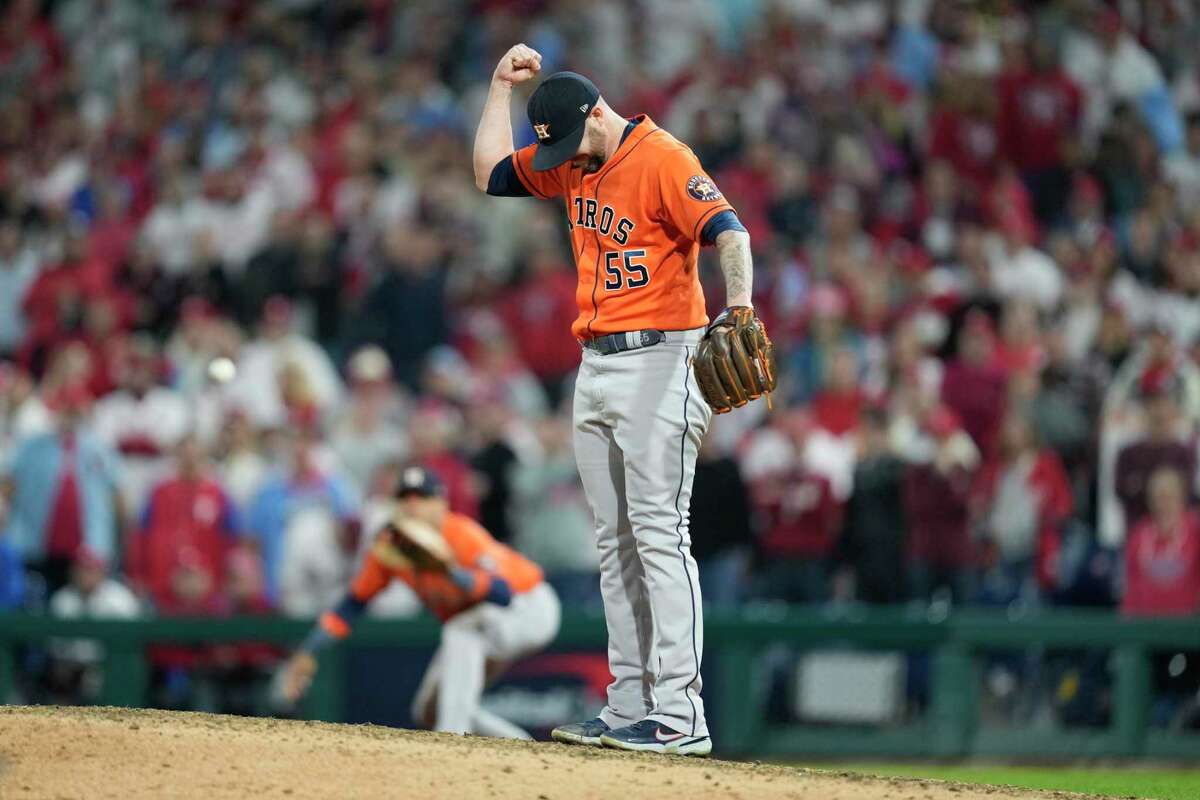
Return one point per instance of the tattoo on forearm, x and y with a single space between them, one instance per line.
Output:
736 264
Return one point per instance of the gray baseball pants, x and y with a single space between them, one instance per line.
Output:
477 646
639 420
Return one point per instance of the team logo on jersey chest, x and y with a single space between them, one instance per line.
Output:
702 188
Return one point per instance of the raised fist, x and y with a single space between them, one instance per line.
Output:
518 65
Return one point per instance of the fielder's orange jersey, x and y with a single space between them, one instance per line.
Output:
635 231
474 549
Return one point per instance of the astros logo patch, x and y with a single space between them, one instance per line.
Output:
542 131
703 189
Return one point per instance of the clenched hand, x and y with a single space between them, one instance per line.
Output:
518 65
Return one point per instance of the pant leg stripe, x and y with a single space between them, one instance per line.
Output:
679 528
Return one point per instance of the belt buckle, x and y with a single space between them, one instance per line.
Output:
652 337
611 343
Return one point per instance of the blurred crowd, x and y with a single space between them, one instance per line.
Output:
245 277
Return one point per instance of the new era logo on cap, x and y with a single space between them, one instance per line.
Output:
557 111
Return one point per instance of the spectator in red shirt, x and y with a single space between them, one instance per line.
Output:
189 513
114 228
536 312
431 432
973 386
1160 447
1020 346
936 494
964 131
1022 498
57 300
1162 556
837 405
800 520
1040 108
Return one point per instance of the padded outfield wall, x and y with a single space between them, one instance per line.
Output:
778 682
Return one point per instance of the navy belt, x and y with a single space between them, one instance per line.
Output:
620 342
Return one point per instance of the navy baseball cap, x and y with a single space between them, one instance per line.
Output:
557 110
421 482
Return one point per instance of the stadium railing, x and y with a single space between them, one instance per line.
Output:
957 647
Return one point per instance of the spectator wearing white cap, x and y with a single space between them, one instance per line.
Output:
263 362
370 431
143 420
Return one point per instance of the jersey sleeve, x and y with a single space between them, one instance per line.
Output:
718 223
690 198
472 545
503 182
468 539
371 579
476 584
542 185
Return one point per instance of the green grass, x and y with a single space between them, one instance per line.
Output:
1133 781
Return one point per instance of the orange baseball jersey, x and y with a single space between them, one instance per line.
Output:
474 549
635 230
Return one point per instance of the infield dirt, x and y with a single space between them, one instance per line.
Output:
48 752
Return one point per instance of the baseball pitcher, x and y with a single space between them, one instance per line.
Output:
493 603
639 206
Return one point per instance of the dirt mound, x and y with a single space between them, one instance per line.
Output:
121 753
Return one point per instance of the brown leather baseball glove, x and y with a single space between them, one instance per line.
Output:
735 362
416 542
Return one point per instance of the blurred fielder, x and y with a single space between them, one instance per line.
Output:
639 206
494 606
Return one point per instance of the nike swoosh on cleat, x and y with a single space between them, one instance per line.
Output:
658 734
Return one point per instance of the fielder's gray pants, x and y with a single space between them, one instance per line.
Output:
639 420
477 646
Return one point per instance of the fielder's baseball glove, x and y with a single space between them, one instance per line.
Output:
416 542
735 362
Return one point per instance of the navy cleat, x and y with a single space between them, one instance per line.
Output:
580 732
649 736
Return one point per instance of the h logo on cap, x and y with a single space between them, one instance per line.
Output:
542 131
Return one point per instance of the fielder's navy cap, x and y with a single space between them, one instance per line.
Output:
421 482
557 110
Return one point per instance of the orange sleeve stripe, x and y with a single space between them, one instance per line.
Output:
334 625
529 184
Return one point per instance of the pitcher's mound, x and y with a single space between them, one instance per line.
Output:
121 753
